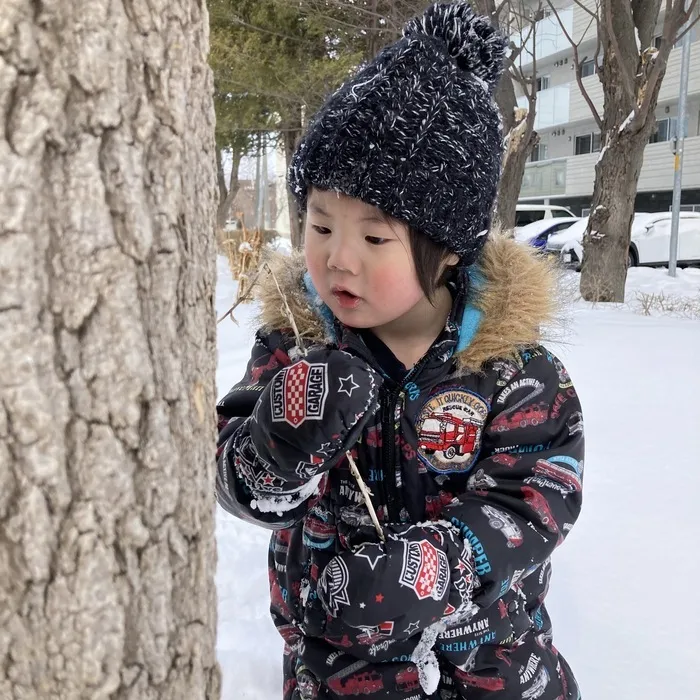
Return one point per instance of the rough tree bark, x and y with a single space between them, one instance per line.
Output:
519 142
107 332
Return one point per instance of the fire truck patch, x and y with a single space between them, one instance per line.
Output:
425 569
449 427
299 393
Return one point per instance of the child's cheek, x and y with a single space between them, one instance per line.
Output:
392 284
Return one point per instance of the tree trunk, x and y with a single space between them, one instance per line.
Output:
519 144
291 137
631 83
227 194
607 240
107 330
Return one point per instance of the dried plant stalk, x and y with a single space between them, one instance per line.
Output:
366 494
241 298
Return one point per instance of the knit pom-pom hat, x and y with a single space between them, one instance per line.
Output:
416 132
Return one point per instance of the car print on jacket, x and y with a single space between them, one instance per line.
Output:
539 504
500 520
481 481
408 679
364 683
530 416
490 683
558 473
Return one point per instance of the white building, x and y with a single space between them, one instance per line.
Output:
561 170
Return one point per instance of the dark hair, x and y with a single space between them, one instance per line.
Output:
429 260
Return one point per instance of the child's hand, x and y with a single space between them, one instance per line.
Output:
414 579
311 412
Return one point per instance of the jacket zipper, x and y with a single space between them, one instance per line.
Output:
390 491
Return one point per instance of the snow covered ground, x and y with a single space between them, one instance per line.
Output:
624 590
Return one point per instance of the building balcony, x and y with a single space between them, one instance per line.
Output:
574 176
552 107
544 179
547 39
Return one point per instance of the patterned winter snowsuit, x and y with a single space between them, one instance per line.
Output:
483 438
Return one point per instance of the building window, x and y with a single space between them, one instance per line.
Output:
587 143
666 130
542 83
539 152
587 68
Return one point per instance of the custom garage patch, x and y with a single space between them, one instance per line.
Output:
450 428
299 393
425 569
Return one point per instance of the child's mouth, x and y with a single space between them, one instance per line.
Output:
346 300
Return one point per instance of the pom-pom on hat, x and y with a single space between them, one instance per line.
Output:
416 132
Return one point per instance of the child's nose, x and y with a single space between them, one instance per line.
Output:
343 258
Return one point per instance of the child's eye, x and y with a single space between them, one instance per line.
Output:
375 241
322 230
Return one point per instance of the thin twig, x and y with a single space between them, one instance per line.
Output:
366 494
287 311
241 298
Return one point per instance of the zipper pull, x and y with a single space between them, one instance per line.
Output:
398 408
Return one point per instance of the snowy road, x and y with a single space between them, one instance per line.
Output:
624 591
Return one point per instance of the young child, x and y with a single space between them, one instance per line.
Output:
420 357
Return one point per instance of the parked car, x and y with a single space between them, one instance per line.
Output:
527 213
537 233
650 243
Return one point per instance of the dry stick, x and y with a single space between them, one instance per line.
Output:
241 298
287 311
366 493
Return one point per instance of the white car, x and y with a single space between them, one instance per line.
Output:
650 244
527 213
537 233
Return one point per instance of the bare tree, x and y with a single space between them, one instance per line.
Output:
631 75
519 20
107 203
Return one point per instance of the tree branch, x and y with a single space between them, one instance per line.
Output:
627 79
587 10
674 19
579 79
691 9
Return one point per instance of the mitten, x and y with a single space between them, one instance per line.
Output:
419 575
311 412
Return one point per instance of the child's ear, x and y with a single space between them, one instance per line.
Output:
452 260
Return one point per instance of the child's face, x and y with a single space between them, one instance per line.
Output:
360 262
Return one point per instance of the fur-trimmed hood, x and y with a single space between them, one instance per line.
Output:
512 297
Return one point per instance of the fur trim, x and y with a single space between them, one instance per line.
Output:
517 299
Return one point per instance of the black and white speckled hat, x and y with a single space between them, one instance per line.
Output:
416 132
